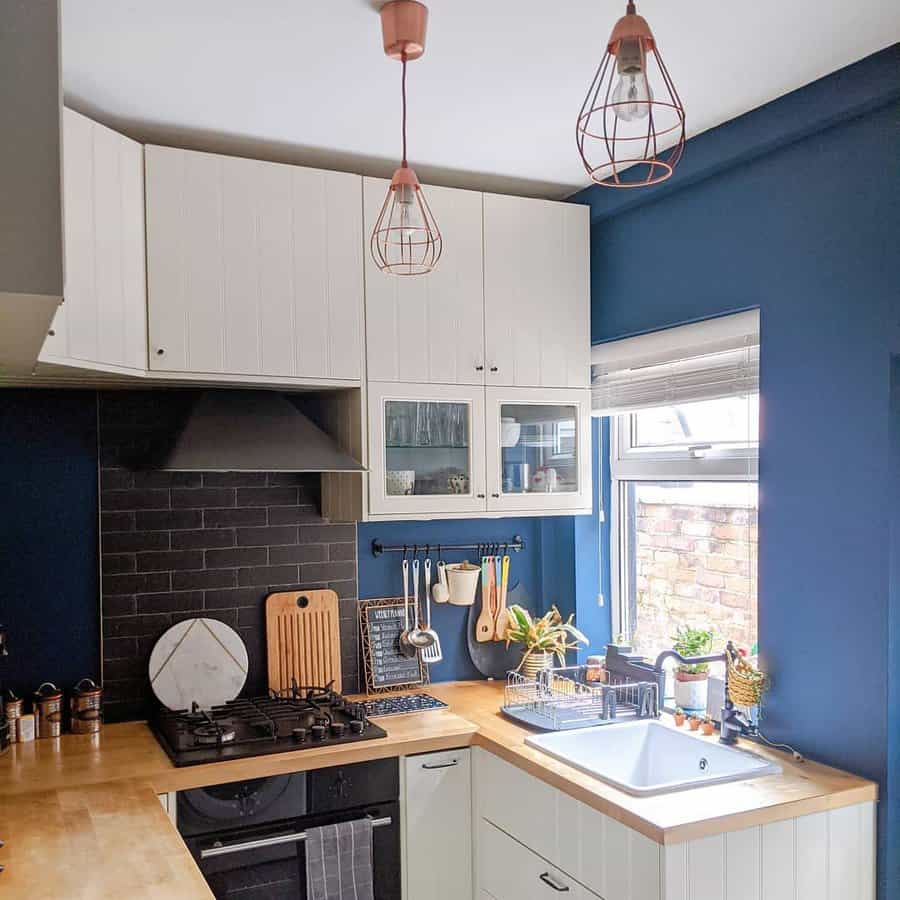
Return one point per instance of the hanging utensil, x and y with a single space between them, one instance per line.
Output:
406 648
418 636
502 613
432 653
441 590
484 627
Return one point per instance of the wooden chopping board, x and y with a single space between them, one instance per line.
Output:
303 639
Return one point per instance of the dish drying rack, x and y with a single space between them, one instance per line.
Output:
562 698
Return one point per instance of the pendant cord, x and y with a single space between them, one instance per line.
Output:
403 95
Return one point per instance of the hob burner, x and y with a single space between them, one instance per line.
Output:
213 734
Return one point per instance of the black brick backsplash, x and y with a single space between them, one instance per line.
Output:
180 544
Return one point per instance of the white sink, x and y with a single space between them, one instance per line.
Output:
646 758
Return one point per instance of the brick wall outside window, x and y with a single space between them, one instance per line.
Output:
695 565
175 545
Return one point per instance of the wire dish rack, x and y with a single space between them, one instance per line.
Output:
561 699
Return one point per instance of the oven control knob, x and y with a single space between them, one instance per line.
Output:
357 725
299 735
318 732
338 729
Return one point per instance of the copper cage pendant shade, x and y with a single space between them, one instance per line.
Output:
406 239
630 130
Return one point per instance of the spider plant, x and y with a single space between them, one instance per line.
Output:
548 634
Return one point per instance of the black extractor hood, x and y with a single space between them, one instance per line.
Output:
251 431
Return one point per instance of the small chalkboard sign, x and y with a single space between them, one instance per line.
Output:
380 625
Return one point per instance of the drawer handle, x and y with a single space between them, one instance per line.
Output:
449 765
561 888
479 368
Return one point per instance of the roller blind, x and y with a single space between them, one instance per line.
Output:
702 361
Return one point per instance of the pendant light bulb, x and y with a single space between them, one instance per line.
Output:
405 239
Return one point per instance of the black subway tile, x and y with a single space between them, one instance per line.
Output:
170 520
119 648
202 498
169 560
228 518
215 578
116 479
116 521
327 534
234 597
157 478
202 539
170 601
328 571
136 626
299 553
342 551
118 605
135 584
264 575
117 563
134 499
345 589
237 556
267 496
294 515
266 537
132 541
234 479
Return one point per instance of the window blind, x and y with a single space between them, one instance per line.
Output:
702 361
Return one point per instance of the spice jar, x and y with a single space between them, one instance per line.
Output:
595 671
13 708
48 701
85 707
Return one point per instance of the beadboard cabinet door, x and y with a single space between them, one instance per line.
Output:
536 292
102 321
429 329
438 826
254 268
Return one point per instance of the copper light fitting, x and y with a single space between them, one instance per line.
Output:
406 239
630 130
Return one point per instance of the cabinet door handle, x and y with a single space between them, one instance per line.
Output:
496 369
449 765
479 368
496 496
160 352
560 888
480 496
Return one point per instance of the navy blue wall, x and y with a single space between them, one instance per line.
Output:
892 838
48 537
808 233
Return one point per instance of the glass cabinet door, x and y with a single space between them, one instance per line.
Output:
428 448
539 449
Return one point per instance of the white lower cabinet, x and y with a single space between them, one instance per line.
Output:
525 828
438 826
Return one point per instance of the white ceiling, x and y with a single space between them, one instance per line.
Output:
492 102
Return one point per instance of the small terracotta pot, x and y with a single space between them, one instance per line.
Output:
707 728
679 719
694 723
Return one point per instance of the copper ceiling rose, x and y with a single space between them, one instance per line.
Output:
406 239
630 131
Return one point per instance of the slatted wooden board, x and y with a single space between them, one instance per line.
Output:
303 639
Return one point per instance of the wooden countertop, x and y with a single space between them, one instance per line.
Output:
79 812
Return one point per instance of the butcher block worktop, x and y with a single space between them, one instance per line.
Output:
80 811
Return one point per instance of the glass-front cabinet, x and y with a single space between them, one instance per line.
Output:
427 449
538 450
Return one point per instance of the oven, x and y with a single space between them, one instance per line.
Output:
249 837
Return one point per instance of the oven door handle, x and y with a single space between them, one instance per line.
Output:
295 838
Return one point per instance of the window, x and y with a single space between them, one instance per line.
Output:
684 449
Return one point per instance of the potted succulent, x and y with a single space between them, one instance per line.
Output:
694 723
706 726
679 717
541 639
691 679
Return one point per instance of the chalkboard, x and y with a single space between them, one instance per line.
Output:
381 622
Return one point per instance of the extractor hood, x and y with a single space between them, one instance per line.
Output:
251 431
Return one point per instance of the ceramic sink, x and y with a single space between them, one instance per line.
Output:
647 757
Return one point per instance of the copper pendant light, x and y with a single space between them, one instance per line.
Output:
406 239
630 131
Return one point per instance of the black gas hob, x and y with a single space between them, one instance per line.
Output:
298 719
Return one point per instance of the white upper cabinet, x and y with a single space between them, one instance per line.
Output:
254 268
536 292
102 322
429 329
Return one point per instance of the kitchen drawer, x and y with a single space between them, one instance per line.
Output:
508 870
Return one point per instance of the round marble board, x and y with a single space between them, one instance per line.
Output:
200 661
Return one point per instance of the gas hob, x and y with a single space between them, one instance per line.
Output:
302 718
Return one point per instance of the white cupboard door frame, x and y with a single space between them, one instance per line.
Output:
429 330
383 504
536 292
578 501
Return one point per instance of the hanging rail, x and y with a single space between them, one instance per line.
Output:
517 544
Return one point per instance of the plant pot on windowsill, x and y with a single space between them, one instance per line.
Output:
691 689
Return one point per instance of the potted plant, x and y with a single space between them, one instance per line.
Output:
706 726
691 679
694 723
541 639
679 717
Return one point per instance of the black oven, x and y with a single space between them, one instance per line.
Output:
248 837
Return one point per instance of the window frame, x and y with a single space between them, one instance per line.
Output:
629 464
